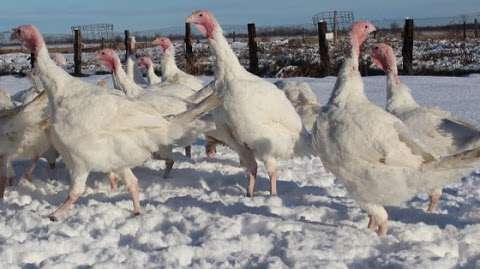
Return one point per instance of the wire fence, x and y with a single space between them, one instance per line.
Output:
98 32
442 45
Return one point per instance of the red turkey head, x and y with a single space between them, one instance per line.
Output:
361 30
145 62
29 37
204 21
163 42
384 57
109 58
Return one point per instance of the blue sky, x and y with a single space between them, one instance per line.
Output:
56 16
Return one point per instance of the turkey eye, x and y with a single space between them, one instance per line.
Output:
376 48
366 26
201 15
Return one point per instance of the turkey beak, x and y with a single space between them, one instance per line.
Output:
374 32
191 19
98 59
156 42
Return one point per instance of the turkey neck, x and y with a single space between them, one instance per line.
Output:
227 65
125 84
151 72
399 97
168 65
130 66
53 77
349 85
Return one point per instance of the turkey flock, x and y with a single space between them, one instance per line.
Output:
384 157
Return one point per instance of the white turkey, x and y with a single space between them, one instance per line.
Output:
303 99
371 151
163 102
152 78
438 130
6 171
172 74
123 82
22 129
170 71
133 71
23 137
255 118
97 130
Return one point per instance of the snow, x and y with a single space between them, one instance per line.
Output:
201 218
432 54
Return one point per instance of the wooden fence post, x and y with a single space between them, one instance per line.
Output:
475 27
407 50
102 44
233 36
189 61
335 28
32 60
127 44
323 49
77 52
252 48
464 30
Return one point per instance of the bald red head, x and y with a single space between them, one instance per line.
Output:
204 21
109 58
384 57
29 36
359 33
163 42
145 62
361 30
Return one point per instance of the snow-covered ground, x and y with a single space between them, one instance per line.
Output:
291 56
201 218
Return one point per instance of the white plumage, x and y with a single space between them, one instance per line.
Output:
22 129
303 99
170 71
255 118
147 63
5 101
22 135
133 72
371 151
163 99
97 130
438 130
